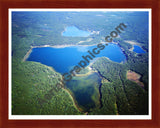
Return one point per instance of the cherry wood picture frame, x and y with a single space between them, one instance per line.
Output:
5 5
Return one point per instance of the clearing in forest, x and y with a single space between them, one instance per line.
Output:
133 76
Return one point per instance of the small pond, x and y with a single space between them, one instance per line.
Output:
138 49
73 31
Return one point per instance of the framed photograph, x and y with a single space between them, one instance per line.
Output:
68 65
75 67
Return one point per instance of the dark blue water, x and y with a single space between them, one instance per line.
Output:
138 49
72 31
64 59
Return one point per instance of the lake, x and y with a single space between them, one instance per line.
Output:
64 59
72 31
138 49
85 89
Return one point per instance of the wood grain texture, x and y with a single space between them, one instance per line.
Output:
6 4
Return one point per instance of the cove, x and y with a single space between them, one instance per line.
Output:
85 90
64 59
72 31
138 49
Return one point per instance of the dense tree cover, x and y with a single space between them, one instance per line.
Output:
35 92
108 99
128 97
46 27
137 97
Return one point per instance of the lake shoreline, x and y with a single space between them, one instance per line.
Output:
75 104
67 91
27 55
134 43
52 46
60 46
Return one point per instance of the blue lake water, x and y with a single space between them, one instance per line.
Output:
64 59
138 49
73 31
